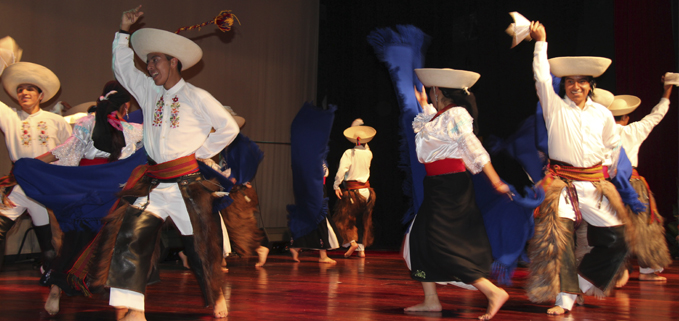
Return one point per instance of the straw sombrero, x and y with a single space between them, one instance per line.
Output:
578 66
603 97
624 104
447 78
30 73
359 134
148 40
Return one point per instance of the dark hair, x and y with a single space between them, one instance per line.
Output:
32 85
618 118
590 79
462 99
106 137
179 63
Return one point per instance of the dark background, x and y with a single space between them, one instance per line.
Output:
470 35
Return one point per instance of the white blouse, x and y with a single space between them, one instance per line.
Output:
450 135
80 144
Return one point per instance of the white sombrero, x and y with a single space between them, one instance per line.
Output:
578 66
603 97
519 29
359 134
30 73
624 104
80 108
148 40
239 120
447 78
10 53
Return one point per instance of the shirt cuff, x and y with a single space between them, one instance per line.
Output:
540 46
664 101
123 38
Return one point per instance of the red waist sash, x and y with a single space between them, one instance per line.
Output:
357 185
96 161
444 166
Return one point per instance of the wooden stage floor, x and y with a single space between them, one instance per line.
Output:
374 288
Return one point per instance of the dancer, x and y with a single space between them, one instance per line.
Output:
178 121
447 241
99 138
579 189
651 250
356 200
308 219
29 132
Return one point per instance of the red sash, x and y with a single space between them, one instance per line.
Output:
444 166
351 185
96 161
653 210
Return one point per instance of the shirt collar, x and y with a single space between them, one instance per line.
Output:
588 104
177 87
25 115
363 147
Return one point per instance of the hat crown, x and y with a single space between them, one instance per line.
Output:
30 73
148 40
578 66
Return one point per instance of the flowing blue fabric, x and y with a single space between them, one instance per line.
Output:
402 50
222 202
80 196
622 184
309 136
243 157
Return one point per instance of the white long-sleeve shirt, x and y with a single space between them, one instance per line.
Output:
177 121
80 144
354 165
576 136
450 135
29 136
635 133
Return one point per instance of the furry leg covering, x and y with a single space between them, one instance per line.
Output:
650 246
349 208
241 221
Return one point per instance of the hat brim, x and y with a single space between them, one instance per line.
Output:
30 73
80 108
624 104
446 77
603 97
148 40
578 66
240 121
365 133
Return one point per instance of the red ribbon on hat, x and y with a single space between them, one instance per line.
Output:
358 141
224 21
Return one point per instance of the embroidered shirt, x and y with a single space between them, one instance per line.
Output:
32 135
450 135
354 165
576 136
80 144
178 120
635 133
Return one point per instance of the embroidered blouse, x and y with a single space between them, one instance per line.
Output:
178 120
450 135
80 144
29 136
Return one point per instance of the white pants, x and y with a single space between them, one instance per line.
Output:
23 203
164 201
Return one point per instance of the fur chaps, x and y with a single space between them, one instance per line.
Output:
241 221
650 246
347 209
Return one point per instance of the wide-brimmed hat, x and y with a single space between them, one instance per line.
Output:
239 120
148 40
10 53
578 66
80 108
447 78
358 133
624 104
603 97
519 29
30 73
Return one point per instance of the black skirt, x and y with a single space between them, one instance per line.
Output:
324 237
448 240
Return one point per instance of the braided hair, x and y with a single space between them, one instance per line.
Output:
106 137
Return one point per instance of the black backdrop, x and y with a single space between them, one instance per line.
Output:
466 34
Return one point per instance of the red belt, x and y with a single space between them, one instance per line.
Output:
445 166
357 185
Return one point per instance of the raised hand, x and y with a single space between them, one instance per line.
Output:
421 96
129 18
537 31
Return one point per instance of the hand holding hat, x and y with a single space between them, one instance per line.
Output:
519 29
9 53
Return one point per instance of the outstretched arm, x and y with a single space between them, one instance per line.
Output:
129 18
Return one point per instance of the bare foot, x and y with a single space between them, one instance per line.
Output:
496 299
185 261
134 315
262 253
52 303
327 260
595 292
295 254
651 277
580 300
351 249
361 253
557 310
121 312
431 304
220 310
623 279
